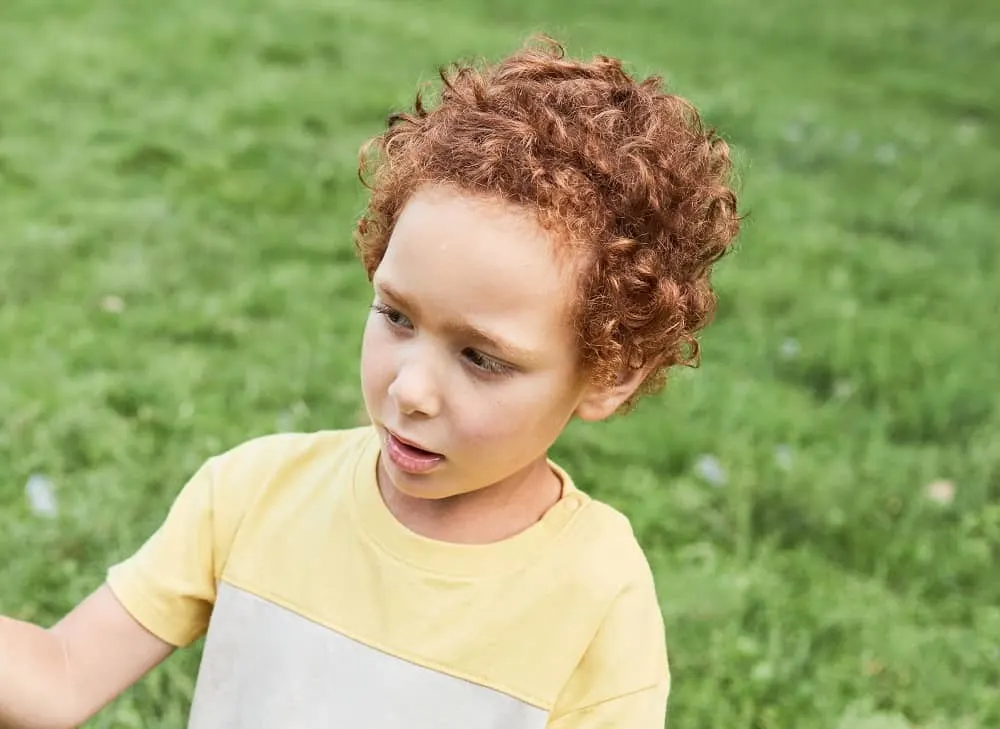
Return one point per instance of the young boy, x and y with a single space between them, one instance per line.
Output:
539 245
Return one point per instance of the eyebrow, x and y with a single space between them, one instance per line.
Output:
461 329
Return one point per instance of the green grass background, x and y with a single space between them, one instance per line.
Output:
177 192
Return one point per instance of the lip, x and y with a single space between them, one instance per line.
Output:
409 456
412 443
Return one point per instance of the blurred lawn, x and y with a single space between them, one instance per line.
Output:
177 190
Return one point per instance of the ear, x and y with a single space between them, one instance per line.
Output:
601 402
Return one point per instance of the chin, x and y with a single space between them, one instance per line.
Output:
419 485
427 486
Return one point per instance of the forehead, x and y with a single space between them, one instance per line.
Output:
480 260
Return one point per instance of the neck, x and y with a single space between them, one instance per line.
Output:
486 515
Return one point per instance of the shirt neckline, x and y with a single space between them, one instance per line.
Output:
462 560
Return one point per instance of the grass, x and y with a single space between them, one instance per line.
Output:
177 192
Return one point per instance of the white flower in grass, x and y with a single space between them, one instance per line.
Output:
783 457
790 348
113 304
41 496
941 492
886 154
842 389
710 470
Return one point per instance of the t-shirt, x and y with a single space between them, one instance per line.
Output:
322 610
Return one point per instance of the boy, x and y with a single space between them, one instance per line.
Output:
539 246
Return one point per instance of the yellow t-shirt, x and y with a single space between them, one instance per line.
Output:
322 610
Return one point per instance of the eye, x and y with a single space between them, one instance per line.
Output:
395 318
485 363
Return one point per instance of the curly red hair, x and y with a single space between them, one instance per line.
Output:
623 170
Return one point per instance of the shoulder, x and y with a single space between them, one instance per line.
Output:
626 651
599 567
267 454
266 482
275 466
608 548
602 540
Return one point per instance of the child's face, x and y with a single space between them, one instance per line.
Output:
469 351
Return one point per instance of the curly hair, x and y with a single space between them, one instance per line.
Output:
623 170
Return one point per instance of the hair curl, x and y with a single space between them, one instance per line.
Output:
623 170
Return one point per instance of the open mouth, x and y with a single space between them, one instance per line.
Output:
409 457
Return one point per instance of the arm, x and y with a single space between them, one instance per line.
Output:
59 678
158 599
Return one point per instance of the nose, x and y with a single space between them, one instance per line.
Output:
414 389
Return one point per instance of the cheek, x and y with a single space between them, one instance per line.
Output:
376 369
520 411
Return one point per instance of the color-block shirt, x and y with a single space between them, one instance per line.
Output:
322 610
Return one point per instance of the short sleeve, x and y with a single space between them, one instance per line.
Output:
623 679
169 584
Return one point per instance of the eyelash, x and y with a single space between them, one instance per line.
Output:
485 363
481 363
388 313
